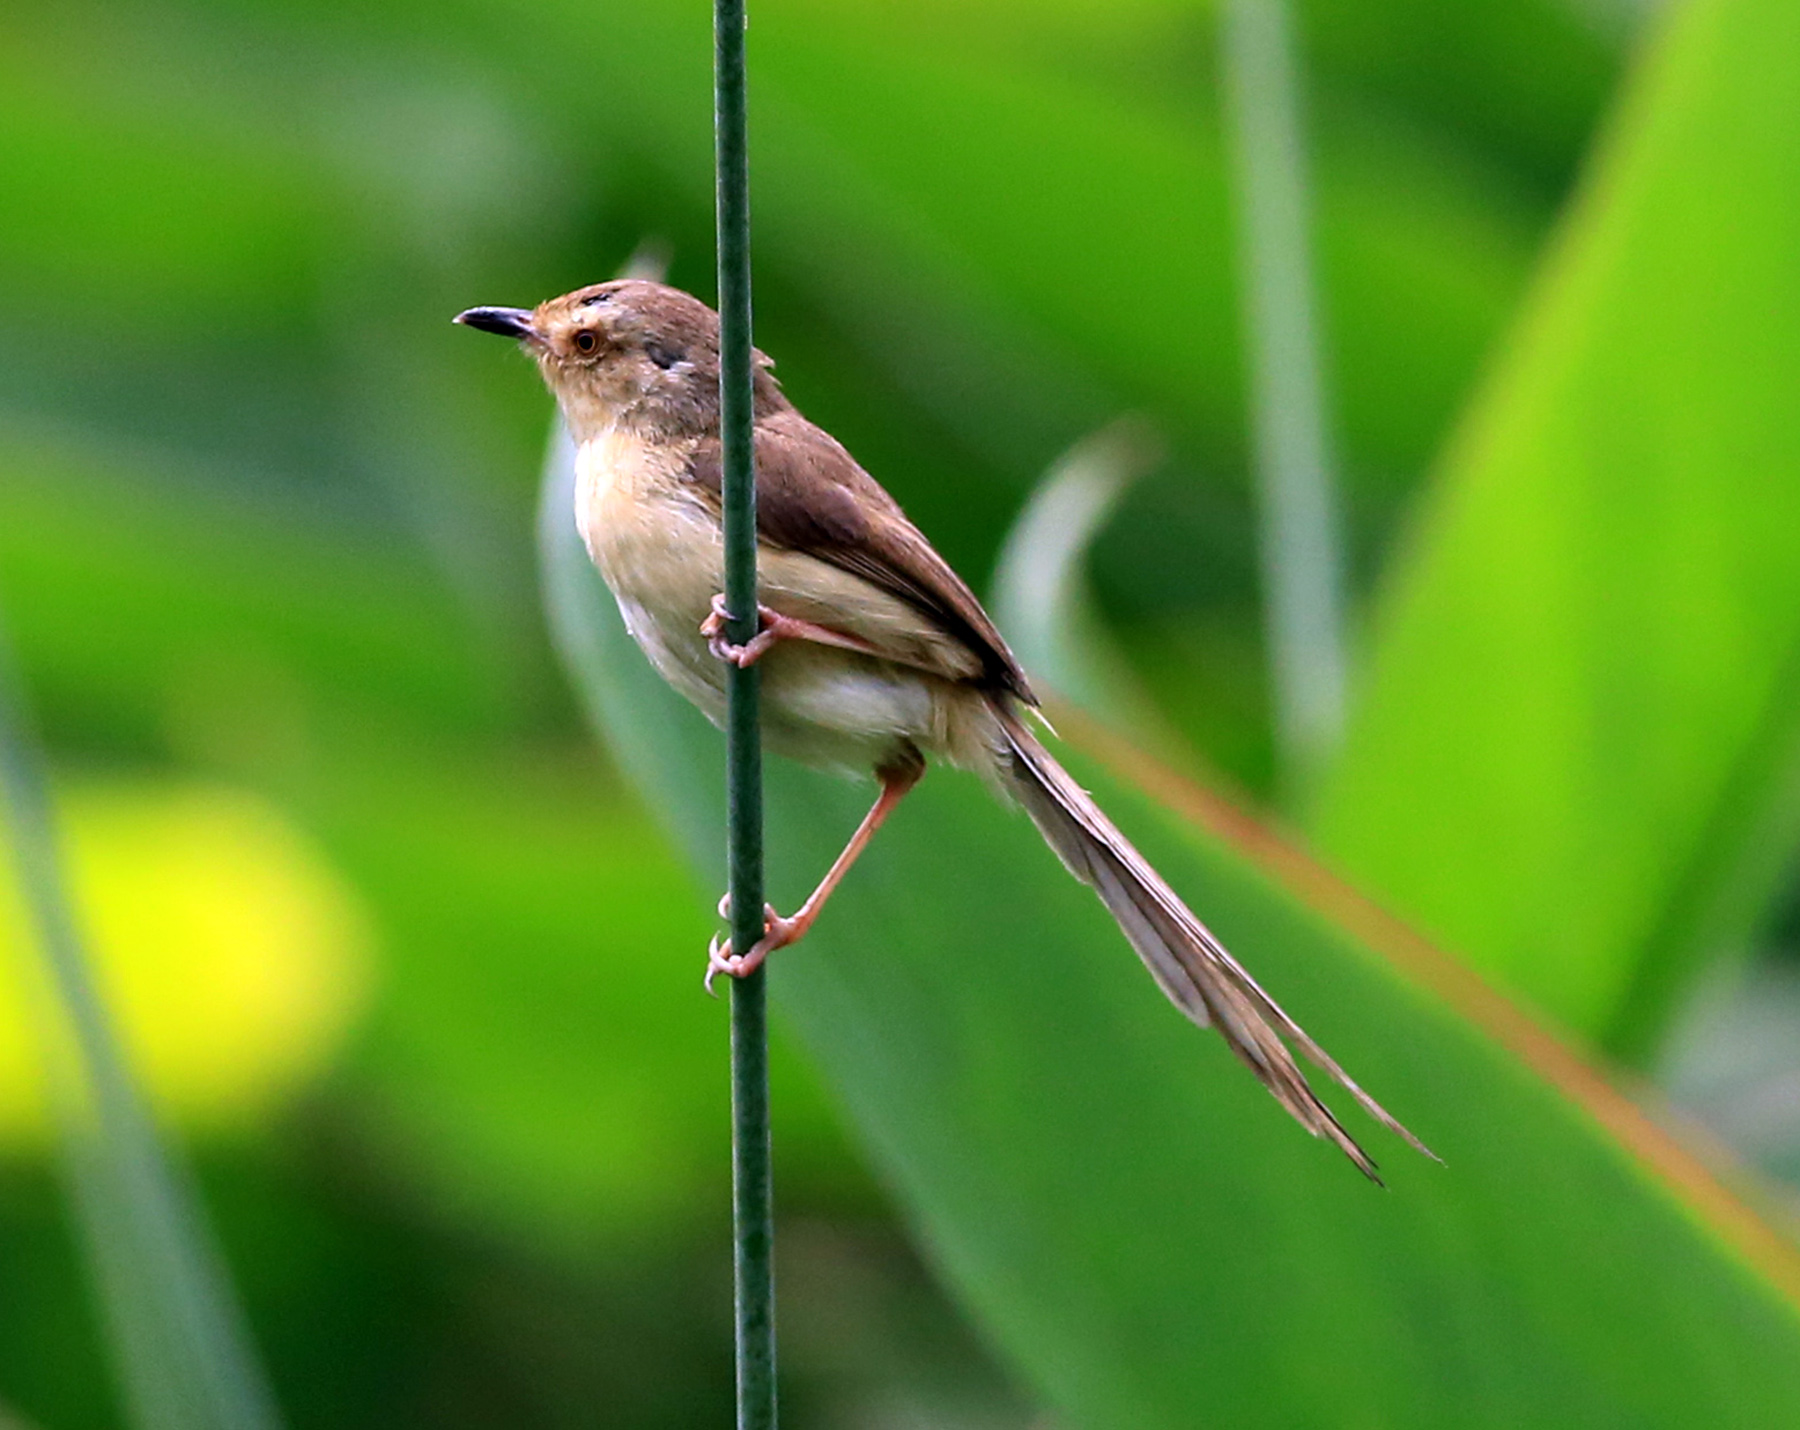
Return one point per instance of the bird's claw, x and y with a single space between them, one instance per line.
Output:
719 959
777 933
746 655
769 915
714 624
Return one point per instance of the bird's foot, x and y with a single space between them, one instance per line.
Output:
777 933
771 628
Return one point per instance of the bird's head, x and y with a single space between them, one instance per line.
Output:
626 354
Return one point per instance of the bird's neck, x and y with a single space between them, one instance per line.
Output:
656 416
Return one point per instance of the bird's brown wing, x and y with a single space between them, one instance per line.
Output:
812 497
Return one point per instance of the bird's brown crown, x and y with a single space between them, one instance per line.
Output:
639 354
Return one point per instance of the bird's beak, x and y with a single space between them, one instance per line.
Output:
507 322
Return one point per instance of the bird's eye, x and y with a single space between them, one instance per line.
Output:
585 341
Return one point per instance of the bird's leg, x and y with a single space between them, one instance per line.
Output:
772 627
779 932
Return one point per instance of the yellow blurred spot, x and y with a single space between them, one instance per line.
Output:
231 957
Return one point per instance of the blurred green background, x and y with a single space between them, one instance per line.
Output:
408 965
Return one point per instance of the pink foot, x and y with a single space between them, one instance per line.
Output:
777 933
746 655
773 627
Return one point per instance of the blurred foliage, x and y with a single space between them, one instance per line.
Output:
233 961
177 1337
265 533
1576 758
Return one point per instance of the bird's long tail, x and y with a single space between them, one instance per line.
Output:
1191 966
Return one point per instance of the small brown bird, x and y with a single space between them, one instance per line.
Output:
874 652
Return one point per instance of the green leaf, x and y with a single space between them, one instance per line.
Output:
1041 595
1576 754
1148 1238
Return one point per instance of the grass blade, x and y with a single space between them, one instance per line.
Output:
1301 556
182 1350
1041 597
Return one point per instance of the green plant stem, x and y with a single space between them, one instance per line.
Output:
1300 539
752 1196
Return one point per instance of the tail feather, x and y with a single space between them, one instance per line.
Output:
1187 961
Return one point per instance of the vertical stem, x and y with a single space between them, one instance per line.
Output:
1301 557
752 1198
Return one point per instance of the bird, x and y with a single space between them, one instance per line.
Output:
875 654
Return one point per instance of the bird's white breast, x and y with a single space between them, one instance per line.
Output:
659 547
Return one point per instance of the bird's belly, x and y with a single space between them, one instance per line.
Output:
663 567
662 555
